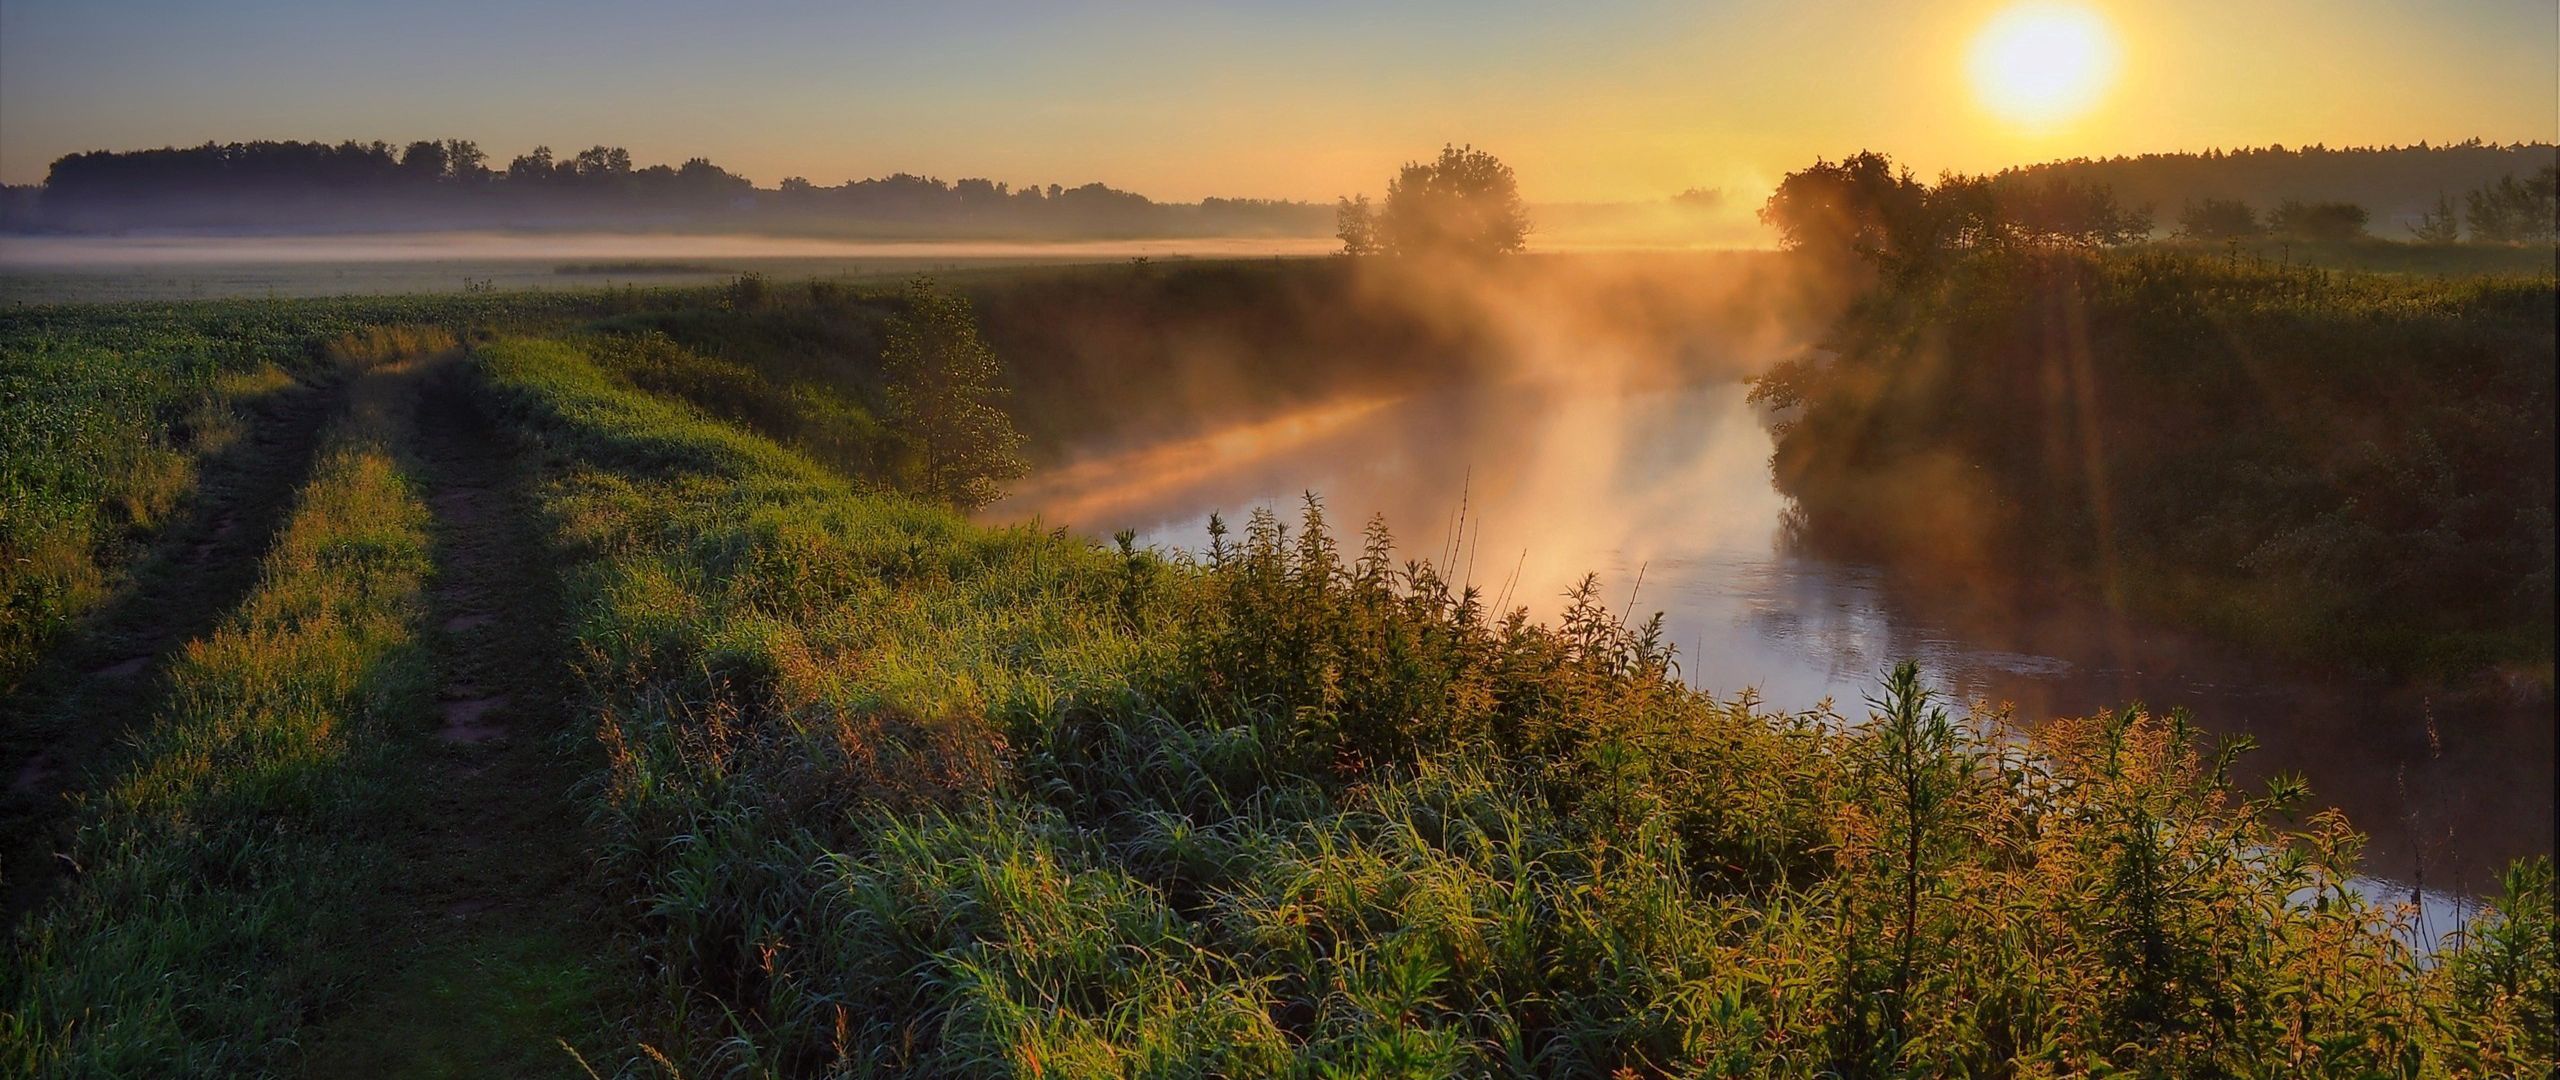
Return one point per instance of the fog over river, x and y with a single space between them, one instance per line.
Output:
1664 491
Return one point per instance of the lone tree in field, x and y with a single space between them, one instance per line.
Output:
2442 225
942 391
1465 203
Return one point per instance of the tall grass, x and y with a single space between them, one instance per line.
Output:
216 879
889 794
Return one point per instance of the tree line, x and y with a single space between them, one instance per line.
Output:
2508 211
1864 207
2395 184
455 183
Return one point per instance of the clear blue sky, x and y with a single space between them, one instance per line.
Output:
1614 99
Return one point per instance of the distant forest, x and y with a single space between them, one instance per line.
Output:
452 184
2399 186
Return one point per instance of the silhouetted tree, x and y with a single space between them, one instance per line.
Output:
2061 211
464 162
600 162
2219 219
1356 225
2512 212
1861 206
1464 203
2331 221
532 168
2441 225
943 384
424 162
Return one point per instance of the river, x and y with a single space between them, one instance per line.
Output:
1665 492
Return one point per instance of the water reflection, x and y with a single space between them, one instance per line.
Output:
1664 490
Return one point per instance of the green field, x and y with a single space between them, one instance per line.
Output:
606 685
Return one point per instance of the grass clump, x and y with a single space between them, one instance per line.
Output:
217 876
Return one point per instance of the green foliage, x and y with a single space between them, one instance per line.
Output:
817 418
2348 465
942 388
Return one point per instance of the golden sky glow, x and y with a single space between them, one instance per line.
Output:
1614 99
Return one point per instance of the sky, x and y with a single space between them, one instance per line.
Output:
1593 101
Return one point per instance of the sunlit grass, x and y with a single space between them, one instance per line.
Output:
217 880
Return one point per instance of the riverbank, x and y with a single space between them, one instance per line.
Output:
2345 468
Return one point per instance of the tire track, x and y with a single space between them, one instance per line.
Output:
493 954
64 723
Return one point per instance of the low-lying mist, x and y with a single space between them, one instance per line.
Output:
1578 408
1528 422
178 248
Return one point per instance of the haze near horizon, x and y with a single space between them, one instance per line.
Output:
1632 100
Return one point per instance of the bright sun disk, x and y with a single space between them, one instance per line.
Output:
2039 64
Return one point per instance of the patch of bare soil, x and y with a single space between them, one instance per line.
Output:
466 720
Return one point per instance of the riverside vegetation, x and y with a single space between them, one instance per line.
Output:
2339 465
873 790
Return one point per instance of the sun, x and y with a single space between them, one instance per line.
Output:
2039 65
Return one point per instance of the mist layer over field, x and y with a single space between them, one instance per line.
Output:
47 269
97 251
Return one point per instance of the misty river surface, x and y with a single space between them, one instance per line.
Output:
1665 492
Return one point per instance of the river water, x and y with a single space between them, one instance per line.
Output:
1665 492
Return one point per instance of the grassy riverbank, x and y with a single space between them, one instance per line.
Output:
886 792
869 789
2338 466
